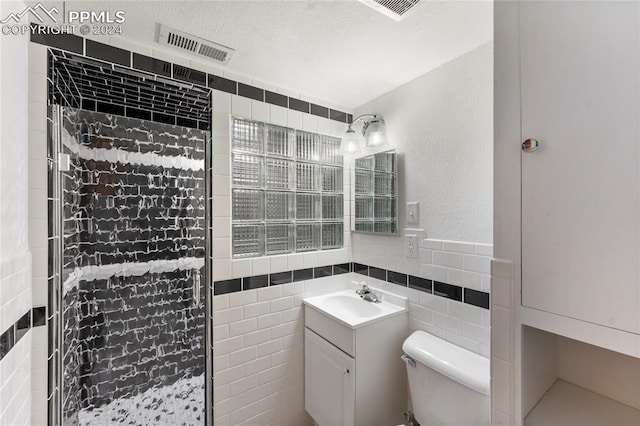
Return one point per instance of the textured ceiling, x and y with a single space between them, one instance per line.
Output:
338 51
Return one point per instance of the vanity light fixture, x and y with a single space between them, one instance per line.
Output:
373 131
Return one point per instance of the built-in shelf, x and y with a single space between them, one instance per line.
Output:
569 405
605 337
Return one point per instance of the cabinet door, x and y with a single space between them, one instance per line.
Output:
329 387
580 189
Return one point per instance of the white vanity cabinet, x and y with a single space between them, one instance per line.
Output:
330 382
580 99
353 372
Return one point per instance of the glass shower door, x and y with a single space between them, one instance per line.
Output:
133 270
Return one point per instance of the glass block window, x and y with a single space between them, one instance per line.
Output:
287 190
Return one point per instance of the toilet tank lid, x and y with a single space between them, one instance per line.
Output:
463 366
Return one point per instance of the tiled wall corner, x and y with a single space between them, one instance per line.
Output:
463 264
259 356
39 350
502 343
461 324
38 232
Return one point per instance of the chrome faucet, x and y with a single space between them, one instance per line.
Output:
366 294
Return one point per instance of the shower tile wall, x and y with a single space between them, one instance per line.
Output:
134 232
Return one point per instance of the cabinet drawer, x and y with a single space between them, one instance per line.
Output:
338 334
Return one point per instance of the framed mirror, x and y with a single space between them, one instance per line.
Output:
375 193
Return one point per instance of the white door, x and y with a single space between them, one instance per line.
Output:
329 387
580 189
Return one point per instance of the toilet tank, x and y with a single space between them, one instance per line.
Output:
448 385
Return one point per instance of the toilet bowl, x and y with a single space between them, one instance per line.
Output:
448 385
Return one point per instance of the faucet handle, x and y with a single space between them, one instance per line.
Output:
364 286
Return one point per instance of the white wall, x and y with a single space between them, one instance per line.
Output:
441 126
15 258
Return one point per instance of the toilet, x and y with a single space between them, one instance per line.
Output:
448 385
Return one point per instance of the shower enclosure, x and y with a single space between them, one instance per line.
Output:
130 247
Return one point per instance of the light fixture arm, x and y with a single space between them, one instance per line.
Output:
366 122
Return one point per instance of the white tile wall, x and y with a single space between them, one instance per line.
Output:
224 106
15 255
464 325
465 264
259 348
259 376
15 384
15 289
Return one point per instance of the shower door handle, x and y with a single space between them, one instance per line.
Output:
196 288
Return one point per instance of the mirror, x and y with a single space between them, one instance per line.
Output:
376 195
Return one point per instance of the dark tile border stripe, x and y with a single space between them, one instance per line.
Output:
477 298
250 92
303 274
276 99
34 317
421 284
437 288
115 55
449 291
107 53
281 278
378 273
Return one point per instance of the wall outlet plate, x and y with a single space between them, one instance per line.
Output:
411 245
413 213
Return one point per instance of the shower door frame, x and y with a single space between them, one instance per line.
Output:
55 249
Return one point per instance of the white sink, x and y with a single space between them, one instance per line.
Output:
348 308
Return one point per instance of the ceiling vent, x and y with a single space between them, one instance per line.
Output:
195 45
394 9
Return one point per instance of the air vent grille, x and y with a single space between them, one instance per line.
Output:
182 42
194 45
399 7
395 9
213 53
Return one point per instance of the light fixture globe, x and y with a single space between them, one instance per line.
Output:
373 130
350 142
374 133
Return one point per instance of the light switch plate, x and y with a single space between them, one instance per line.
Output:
413 213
